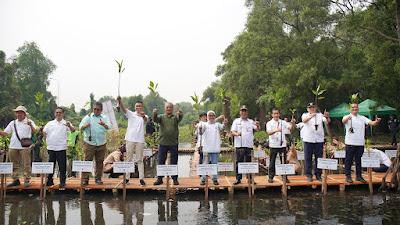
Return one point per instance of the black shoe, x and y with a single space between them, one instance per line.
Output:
309 179
270 180
215 182
158 181
318 178
62 185
127 181
27 183
99 182
348 179
251 182
14 183
49 183
287 180
176 182
203 182
85 183
361 179
237 182
142 183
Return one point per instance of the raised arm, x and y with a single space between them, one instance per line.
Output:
121 104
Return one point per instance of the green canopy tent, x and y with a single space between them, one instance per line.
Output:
367 108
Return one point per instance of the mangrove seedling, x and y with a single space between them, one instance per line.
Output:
120 71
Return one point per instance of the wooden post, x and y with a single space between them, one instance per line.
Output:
44 186
124 183
168 163
81 187
206 189
340 165
371 187
252 177
41 186
324 174
284 187
2 187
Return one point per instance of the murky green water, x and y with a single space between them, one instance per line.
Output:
303 206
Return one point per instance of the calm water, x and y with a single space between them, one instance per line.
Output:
303 206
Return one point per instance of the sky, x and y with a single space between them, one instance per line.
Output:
175 43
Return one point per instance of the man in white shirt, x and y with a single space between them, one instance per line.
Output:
135 136
242 130
55 132
20 128
277 141
313 138
355 140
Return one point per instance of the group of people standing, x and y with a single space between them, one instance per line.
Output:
96 124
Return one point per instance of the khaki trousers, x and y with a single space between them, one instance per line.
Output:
97 152
15 157
135 148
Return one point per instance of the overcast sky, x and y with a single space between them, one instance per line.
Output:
174 43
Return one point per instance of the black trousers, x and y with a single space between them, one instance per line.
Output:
162 156
61 158
242 155
381 169
394 132
356 152
272 160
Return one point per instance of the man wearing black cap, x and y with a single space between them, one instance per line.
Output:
313 138
242 130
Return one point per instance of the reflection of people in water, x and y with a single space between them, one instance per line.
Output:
86 215
172 211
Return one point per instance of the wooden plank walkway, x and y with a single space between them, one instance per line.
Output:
194 183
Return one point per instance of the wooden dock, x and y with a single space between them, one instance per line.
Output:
193 183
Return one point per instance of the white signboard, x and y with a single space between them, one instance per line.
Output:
124 167
147 152
6 168
369 162
207 169
371 155
330 164
108 110
300 156
167 170
259 154
42 167
277 162
284 169
248 167
82 166
225 166
340 154
391 153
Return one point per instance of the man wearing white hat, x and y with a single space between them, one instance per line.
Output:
21 139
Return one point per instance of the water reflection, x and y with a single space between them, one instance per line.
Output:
142 208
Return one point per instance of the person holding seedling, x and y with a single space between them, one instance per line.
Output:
134 136
355 140
55 132
169 133
313 138
211 138
277 141
20 144
95 128
242 130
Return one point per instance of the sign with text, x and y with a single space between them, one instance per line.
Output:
42 167
248 167
147 152
300 156
284 169
124 167
82 166
371 155
369 162
329 164
340 154
207 169
259 154
391 153
225 167
6 168
167 170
